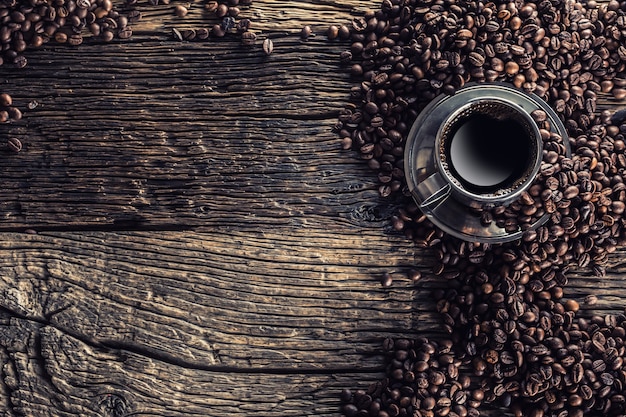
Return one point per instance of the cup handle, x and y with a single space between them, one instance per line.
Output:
435 189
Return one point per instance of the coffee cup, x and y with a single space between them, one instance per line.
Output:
473 151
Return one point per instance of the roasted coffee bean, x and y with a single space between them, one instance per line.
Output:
180 10
305 32
217 31
268 46
248 38
125 33
5 100
14 145
332 32
202 34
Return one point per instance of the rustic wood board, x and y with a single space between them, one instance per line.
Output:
184 133
204 246
206 317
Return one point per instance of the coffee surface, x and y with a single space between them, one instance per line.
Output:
487 154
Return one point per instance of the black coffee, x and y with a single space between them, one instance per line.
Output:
486 154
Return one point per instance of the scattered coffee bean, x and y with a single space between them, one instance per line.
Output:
305 32
248 38
217 31
5 100
177 35
415 275
332 32
14 145
268 46
591 300
386 280
180 10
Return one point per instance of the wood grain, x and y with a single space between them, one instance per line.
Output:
219 294
185 134
296 315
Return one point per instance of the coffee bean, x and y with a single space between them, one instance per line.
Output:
248 38
180 10
125 33
386 280
5 100
476 59
268 46
202 34
415 275
591 300
305 32
217 31
20 61
332 32
14 145
607 378
350 410
572 305
539 115
429 403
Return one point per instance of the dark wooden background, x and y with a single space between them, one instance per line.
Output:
203 245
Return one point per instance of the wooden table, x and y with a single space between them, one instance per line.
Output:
183 235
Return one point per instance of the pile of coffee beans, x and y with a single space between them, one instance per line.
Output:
503 305
30 24
574 368
407 53
423 375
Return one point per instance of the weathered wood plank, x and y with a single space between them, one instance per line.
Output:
176 172
214 299
272 323
153 132
86 381
186 182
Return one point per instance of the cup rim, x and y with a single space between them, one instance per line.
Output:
500 197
